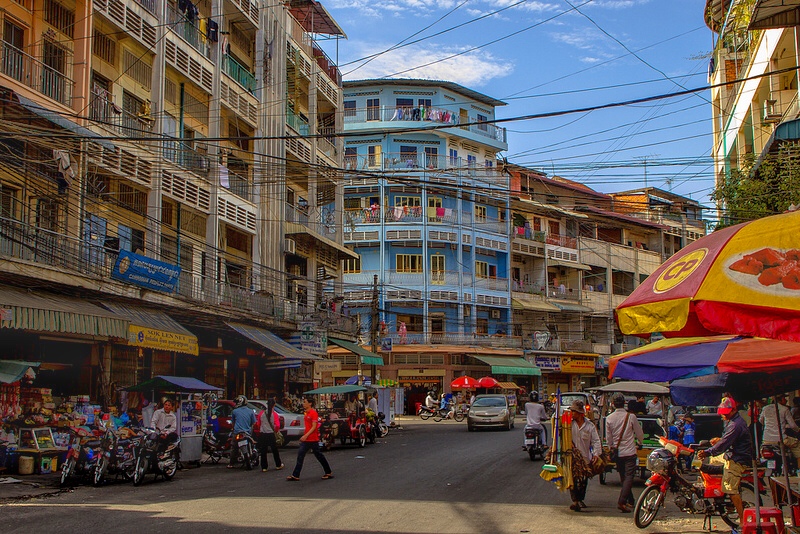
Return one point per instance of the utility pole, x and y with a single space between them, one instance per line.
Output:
373 337
644 161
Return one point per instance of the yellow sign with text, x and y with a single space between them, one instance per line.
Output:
150 338
577 364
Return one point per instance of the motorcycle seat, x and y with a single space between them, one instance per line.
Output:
712 469
92 444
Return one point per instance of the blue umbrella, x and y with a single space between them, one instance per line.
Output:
353 380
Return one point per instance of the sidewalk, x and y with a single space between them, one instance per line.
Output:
30 487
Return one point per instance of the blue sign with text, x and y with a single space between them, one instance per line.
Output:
146 272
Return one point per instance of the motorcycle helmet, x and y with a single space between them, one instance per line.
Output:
240 401
661 461
534 396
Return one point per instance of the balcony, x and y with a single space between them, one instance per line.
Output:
239 185
418 214
440 168
149 5
182 154
442 338
492 284
35 74
186 30
239 73
432 115
297 123
107 114
44 248
327 66
529 288
529 234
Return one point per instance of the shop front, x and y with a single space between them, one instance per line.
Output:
567 371
416 384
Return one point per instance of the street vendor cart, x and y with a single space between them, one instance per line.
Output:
188 393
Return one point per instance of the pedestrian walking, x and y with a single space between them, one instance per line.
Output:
623 432
310 440
586 447
268 424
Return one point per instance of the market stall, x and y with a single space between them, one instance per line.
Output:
188 393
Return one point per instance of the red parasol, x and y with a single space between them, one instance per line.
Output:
742 280
487 382
464 382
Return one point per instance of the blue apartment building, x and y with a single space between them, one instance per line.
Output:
427 210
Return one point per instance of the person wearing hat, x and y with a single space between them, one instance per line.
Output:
623 431
737 447
770 419
586 442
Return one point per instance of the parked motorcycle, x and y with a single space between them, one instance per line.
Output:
534 443
117 455
83 453
703 497
152 456
771 458
246 447
216 449
449 412
379 428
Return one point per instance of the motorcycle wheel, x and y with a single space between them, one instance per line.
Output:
140 470
647 506
247 456
728 512
169 474
425 415
100 471
362 437
459 416
66 470
532 453
383 430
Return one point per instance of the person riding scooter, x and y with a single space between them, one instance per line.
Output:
534 416
242 420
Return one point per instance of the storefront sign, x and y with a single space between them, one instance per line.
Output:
6 314
313 339
420 372
146 272
150 338
327 366
548 363
301 374
577 364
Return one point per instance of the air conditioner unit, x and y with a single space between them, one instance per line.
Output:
289 246
495 314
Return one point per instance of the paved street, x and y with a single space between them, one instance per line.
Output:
426 477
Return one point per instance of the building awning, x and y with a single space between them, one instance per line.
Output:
509 366
529 303
367 357
507 385
556 209
270 341
571 307
562 263
152 329
22 310
344 253
183 384
785 131
768 14
13 370
63 122
314 18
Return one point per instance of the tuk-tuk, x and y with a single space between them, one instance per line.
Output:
652 426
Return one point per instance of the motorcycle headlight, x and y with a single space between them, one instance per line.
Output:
660 461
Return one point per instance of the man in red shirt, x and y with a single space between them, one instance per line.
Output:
310 440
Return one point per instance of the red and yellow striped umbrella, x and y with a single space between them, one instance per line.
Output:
742 280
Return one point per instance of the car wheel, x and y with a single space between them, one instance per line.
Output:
470 428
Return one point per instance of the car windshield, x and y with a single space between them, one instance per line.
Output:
281 409
490 402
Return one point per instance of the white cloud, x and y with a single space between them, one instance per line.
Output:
471 69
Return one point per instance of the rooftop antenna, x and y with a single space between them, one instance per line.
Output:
644 162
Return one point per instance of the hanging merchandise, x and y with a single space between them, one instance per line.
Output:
213 31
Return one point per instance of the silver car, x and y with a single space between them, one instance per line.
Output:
490 410
293 425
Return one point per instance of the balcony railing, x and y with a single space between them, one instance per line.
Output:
239 185
182 153
529 288
416 214
21 241
420 114
327 66
186 30
297 123
562 241
239 73
521 232
108 114
35 74
149 5
493 284
442 338
442 167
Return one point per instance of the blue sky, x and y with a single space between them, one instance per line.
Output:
543 57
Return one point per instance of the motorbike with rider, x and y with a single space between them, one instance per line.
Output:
243 445
535 440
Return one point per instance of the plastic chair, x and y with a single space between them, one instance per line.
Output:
771 521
